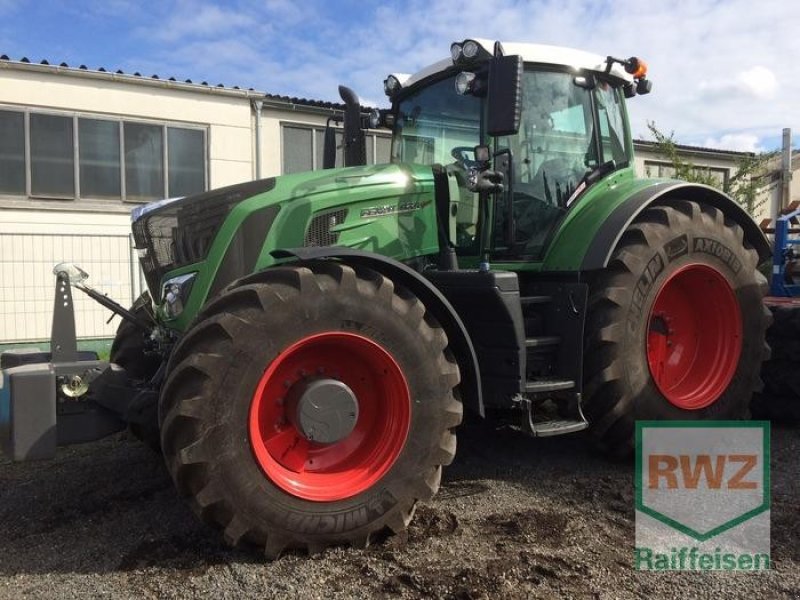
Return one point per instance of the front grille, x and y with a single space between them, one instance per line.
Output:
181 232
319 230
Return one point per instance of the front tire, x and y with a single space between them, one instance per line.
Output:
676 324
308 406
128 347
128 350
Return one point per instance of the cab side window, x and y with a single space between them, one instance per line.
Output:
612 124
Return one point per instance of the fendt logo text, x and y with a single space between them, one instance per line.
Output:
702 495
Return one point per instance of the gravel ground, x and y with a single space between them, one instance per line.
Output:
515 518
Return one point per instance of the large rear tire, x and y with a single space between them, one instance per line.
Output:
676 324
780 399
308 406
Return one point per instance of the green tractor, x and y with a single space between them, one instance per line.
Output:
311 342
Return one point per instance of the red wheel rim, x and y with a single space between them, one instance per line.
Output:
344 468
694 337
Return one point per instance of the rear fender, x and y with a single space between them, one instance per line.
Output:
610 231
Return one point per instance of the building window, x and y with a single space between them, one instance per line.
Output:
144 161
303 148
12 152
186 164
71 156
52 156
665 170
99 158
379 149
298 151
658 170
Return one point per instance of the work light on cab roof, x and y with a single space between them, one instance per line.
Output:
473 53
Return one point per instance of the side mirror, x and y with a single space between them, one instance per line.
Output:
505 95
355 146
644 86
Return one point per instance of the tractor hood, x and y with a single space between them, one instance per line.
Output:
227 233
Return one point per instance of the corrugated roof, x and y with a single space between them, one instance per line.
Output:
119 74
652 144
305 101
136 76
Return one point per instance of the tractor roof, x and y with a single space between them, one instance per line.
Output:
531 53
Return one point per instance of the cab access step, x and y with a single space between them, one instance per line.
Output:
523 363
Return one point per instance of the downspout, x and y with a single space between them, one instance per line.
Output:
257 105
786 169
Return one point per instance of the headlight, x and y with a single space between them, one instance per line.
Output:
391 85
464 82
470 49
468 52
375 118
175 293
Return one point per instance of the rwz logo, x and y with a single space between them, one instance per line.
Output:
702 495
666 469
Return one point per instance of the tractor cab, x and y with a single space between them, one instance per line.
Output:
517 137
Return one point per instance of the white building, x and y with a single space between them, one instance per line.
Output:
79 148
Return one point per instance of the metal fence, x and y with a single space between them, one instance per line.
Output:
27 282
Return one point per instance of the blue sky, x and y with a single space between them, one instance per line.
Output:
725 72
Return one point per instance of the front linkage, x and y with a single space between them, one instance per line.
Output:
63 397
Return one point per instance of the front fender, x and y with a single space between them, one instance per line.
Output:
459 341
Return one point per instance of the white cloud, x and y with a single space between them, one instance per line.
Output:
759 82
742 142
200 21
706 57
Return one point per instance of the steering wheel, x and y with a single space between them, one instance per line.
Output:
462 156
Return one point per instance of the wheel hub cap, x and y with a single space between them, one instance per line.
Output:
326 410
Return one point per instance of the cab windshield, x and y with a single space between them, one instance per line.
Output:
434 122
